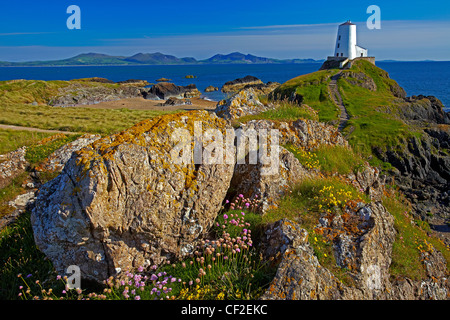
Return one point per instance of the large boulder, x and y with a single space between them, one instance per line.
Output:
122 202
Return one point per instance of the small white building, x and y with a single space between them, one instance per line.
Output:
346 43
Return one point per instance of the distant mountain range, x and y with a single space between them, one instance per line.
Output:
90 59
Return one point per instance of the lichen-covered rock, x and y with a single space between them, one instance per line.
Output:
245 102
12 165
122 202
249 179
368 180
305 134
299 275
58 159
366 254
362 244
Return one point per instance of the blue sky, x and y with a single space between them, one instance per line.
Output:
36 30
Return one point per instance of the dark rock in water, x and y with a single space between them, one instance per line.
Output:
211 89
163 80
166 90
241 83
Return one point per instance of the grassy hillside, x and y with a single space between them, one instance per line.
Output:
370 97
24 103
312 89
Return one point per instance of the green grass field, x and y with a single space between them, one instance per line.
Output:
16 98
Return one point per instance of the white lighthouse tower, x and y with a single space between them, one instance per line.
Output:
346 49
346 44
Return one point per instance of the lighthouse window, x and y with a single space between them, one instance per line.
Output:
342 54
339 37
339 45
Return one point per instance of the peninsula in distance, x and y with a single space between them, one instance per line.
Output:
90 59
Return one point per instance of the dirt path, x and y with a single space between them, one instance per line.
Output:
18 128
337 99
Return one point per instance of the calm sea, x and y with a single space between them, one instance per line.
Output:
427 78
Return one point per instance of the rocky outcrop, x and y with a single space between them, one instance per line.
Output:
12 165
239 84
123 201
359 79
302 133
369 181
422 162
424 109
422 172
166 90
250 180
265 88
77 94
365 252
58 159
305 134
54 163
248 82
366 255
20 204
245 102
